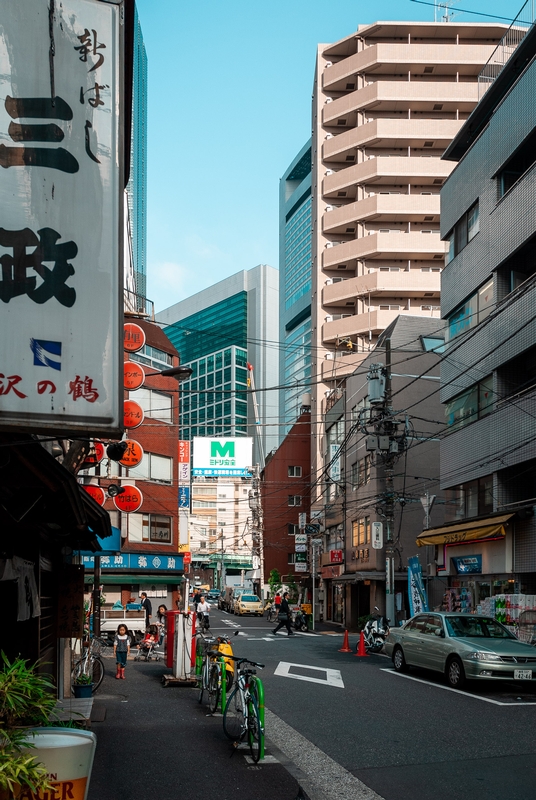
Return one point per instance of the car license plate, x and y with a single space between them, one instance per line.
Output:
523 674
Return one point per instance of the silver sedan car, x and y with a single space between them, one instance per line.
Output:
461 646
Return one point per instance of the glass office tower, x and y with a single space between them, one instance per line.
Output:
295 285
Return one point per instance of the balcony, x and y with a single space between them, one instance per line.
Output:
391 133
341 365
392 207
407 246
400 96
406 283
386 170
375 321
447 59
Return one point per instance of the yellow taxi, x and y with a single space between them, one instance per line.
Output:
248 604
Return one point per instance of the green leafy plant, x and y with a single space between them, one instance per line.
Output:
26 698
274 581
83 679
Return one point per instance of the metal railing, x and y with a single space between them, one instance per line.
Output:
138 304
508 44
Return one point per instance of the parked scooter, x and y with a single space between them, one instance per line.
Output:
375 631
301 620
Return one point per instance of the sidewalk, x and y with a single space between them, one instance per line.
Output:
160 744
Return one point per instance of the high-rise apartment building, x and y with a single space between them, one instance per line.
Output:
219 331
295 238
137 184
387 101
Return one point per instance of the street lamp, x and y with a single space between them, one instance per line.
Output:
181 373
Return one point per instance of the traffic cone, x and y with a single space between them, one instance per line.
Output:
346 644
361 650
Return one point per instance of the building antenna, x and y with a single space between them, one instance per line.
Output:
442 12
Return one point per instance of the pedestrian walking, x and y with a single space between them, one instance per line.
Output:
121 650
161 622
277 602
197 599
146 604
284 616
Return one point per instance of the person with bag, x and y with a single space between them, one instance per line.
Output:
284 616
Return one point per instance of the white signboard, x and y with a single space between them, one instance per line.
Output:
184 472
377 535
61 226
222 456
302 520
300 567
300 538
300 548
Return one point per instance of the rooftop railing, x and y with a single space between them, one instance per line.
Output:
508 44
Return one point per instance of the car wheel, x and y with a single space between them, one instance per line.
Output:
399 662
455 673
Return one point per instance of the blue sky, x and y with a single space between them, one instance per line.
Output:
229 106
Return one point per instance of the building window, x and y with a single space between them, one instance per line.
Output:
521 161
364 471
471 499
155 404
360 531
465 229
294 500
152 357
294 472
475 403
475 309
353 476
149 528
293 529
153 468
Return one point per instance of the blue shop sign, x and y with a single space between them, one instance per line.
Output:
184 497
137 561
465 565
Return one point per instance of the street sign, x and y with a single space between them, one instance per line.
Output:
312 528
300 548
316 541
300 538
133 454
377 535
302 519
300 567
186 558
131 499
96 492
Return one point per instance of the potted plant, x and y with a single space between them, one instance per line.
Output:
26 699
83 685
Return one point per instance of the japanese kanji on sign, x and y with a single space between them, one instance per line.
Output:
61 226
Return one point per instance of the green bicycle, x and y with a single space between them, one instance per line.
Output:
243 717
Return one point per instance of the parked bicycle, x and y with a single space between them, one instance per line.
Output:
242 716
271 613
90 662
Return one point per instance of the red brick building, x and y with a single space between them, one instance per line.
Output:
285 494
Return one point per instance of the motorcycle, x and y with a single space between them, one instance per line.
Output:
375 631
301 620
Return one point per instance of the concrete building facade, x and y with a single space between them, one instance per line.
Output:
488 455
387 101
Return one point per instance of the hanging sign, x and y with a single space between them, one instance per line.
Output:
96 492
134 337
133 414
133 375
377 535
133 454
131 500
62 226
96 454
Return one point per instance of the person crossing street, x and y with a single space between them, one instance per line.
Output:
284 616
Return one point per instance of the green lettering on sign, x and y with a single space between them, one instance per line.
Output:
226 450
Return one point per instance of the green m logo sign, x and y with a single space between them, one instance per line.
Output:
226 450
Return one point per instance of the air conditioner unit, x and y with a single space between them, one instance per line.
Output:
329 356
329 281
328 64
329 208
329 318
328 100
329 244
329 172
328 136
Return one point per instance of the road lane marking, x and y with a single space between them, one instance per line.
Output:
319 774
456 691
333 676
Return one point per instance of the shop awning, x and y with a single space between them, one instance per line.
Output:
491 527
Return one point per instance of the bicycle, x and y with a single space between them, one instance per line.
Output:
242 715
90 662
209 677
272 614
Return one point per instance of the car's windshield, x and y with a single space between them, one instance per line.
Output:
482 627
250 598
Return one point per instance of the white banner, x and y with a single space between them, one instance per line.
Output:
222 456
61 223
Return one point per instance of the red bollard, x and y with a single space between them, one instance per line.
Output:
361 650
346 644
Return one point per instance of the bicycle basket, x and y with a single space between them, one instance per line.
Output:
97 646
205 644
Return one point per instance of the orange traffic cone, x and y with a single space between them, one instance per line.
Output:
346 644
361 650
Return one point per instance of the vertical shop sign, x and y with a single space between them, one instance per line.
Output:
418 600
61 228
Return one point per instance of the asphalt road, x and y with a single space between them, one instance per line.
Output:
401 736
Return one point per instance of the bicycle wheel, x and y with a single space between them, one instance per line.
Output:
214 680
234 717
98 673
255 731
202 683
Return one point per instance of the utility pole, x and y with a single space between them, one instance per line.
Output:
386 443
222 573
257 525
